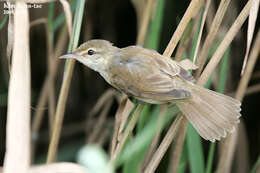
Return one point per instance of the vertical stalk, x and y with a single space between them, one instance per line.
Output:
65 84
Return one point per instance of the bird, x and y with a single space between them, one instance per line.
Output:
153 78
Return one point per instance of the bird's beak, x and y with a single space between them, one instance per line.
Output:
70 56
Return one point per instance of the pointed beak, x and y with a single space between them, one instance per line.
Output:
70 56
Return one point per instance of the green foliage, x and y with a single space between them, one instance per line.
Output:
256 165
140 143
3 22
194 144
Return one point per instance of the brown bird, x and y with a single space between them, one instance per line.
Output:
152 78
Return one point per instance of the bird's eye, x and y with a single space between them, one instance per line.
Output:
91 52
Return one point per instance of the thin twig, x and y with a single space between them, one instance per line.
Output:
224 44
121 116
127 131
190 12
65 86
242 87
50 61
117 135
167 140
145 22
178 145
211 35
229 144
154 144
100 122
38 115
201 29
184 42
253 89
251 28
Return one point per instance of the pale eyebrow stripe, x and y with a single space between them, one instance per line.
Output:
85 51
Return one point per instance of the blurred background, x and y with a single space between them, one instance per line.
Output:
116 21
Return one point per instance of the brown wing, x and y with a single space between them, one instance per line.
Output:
148 76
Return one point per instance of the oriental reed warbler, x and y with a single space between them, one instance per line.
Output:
152 78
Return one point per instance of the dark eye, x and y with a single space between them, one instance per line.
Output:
91 52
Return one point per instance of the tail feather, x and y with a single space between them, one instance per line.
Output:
206 128
212 114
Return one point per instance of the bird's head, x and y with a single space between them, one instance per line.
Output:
93 53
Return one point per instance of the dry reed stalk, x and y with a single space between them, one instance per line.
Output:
252 89
176 153
124 118
183 45
209 41
59 115
103 138
171 133
156 139
38 22
116 148
181 133
201 29
38 115
66 7
229 143
60 112
210 16
139 6
167 140
127 131
68 15
242 161
50 62
100 123
61 42
190 12
64 167
224 44
242 86
152 148
121 116
178 145
102 100
227 153
251 28
17 157
145 21
219 53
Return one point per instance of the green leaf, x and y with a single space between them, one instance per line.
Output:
195 152
256 165
155 28
61 18
143 118
144 138
3 22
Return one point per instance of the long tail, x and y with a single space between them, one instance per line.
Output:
212 114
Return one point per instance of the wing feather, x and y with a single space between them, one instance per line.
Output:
149 76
